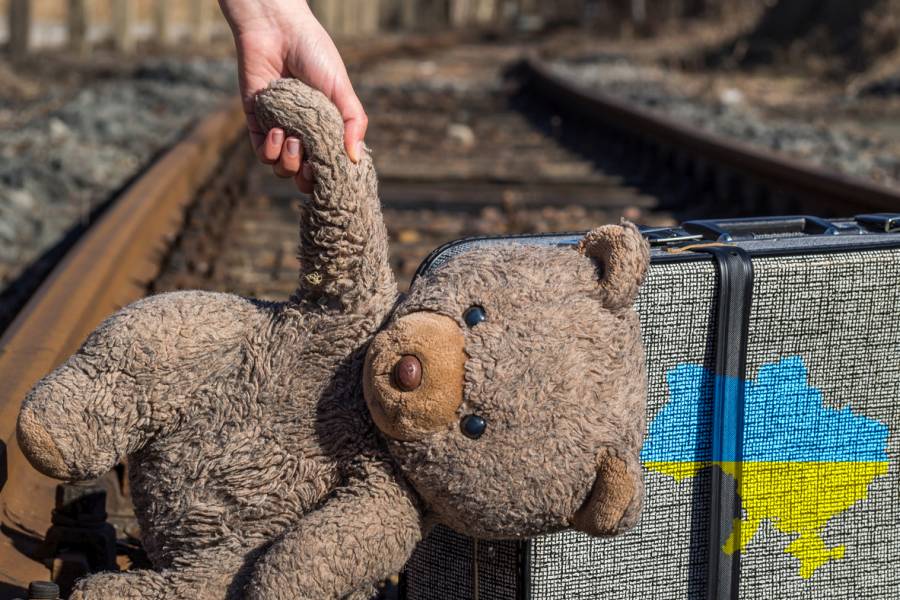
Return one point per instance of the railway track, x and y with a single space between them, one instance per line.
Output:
461 148
741 177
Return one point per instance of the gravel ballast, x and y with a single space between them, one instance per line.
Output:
858 153
59 167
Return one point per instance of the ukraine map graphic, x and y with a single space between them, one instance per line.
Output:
802 462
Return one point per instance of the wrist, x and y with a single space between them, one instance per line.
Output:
247 17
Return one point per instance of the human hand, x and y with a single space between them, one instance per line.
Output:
282 38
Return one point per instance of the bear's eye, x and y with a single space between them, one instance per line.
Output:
473 426
474 315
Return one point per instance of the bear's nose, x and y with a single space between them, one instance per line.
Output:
408 373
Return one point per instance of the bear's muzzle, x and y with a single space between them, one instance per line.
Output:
413 376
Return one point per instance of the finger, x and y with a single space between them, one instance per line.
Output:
291 157
305 179
272 145
257 136
355 119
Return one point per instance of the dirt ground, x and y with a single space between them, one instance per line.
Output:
866 96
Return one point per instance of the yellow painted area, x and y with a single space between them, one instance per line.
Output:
798 498
679 471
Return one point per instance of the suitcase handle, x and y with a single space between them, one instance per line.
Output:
726 230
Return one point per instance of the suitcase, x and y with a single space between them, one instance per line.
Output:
772 459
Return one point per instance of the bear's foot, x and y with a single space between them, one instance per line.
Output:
218 578
134 585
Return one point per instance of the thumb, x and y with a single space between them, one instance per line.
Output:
355 120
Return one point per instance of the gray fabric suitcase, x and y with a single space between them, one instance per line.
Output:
772 458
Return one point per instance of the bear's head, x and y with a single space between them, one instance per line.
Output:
506 376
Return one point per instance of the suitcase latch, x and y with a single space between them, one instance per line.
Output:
661 236
880 222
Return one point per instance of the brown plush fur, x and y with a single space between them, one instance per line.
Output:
257 471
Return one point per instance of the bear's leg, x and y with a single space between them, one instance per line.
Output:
208 576
363 534
132 585
614 504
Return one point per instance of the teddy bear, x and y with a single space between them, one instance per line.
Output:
302 449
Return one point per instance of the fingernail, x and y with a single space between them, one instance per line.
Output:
307 172
277 136
358 150
293 146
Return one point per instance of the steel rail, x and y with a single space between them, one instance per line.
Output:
808 181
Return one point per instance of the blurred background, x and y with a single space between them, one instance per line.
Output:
92 90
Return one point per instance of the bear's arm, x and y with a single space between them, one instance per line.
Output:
343 255
133 379
364 534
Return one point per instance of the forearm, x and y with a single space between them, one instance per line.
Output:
343 242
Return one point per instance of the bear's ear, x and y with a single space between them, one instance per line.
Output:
623 256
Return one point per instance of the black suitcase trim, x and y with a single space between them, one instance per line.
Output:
849 235
734 299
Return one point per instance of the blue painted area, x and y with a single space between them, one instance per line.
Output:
784 420
682 429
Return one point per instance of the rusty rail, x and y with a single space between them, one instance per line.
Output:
108 268
810 182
